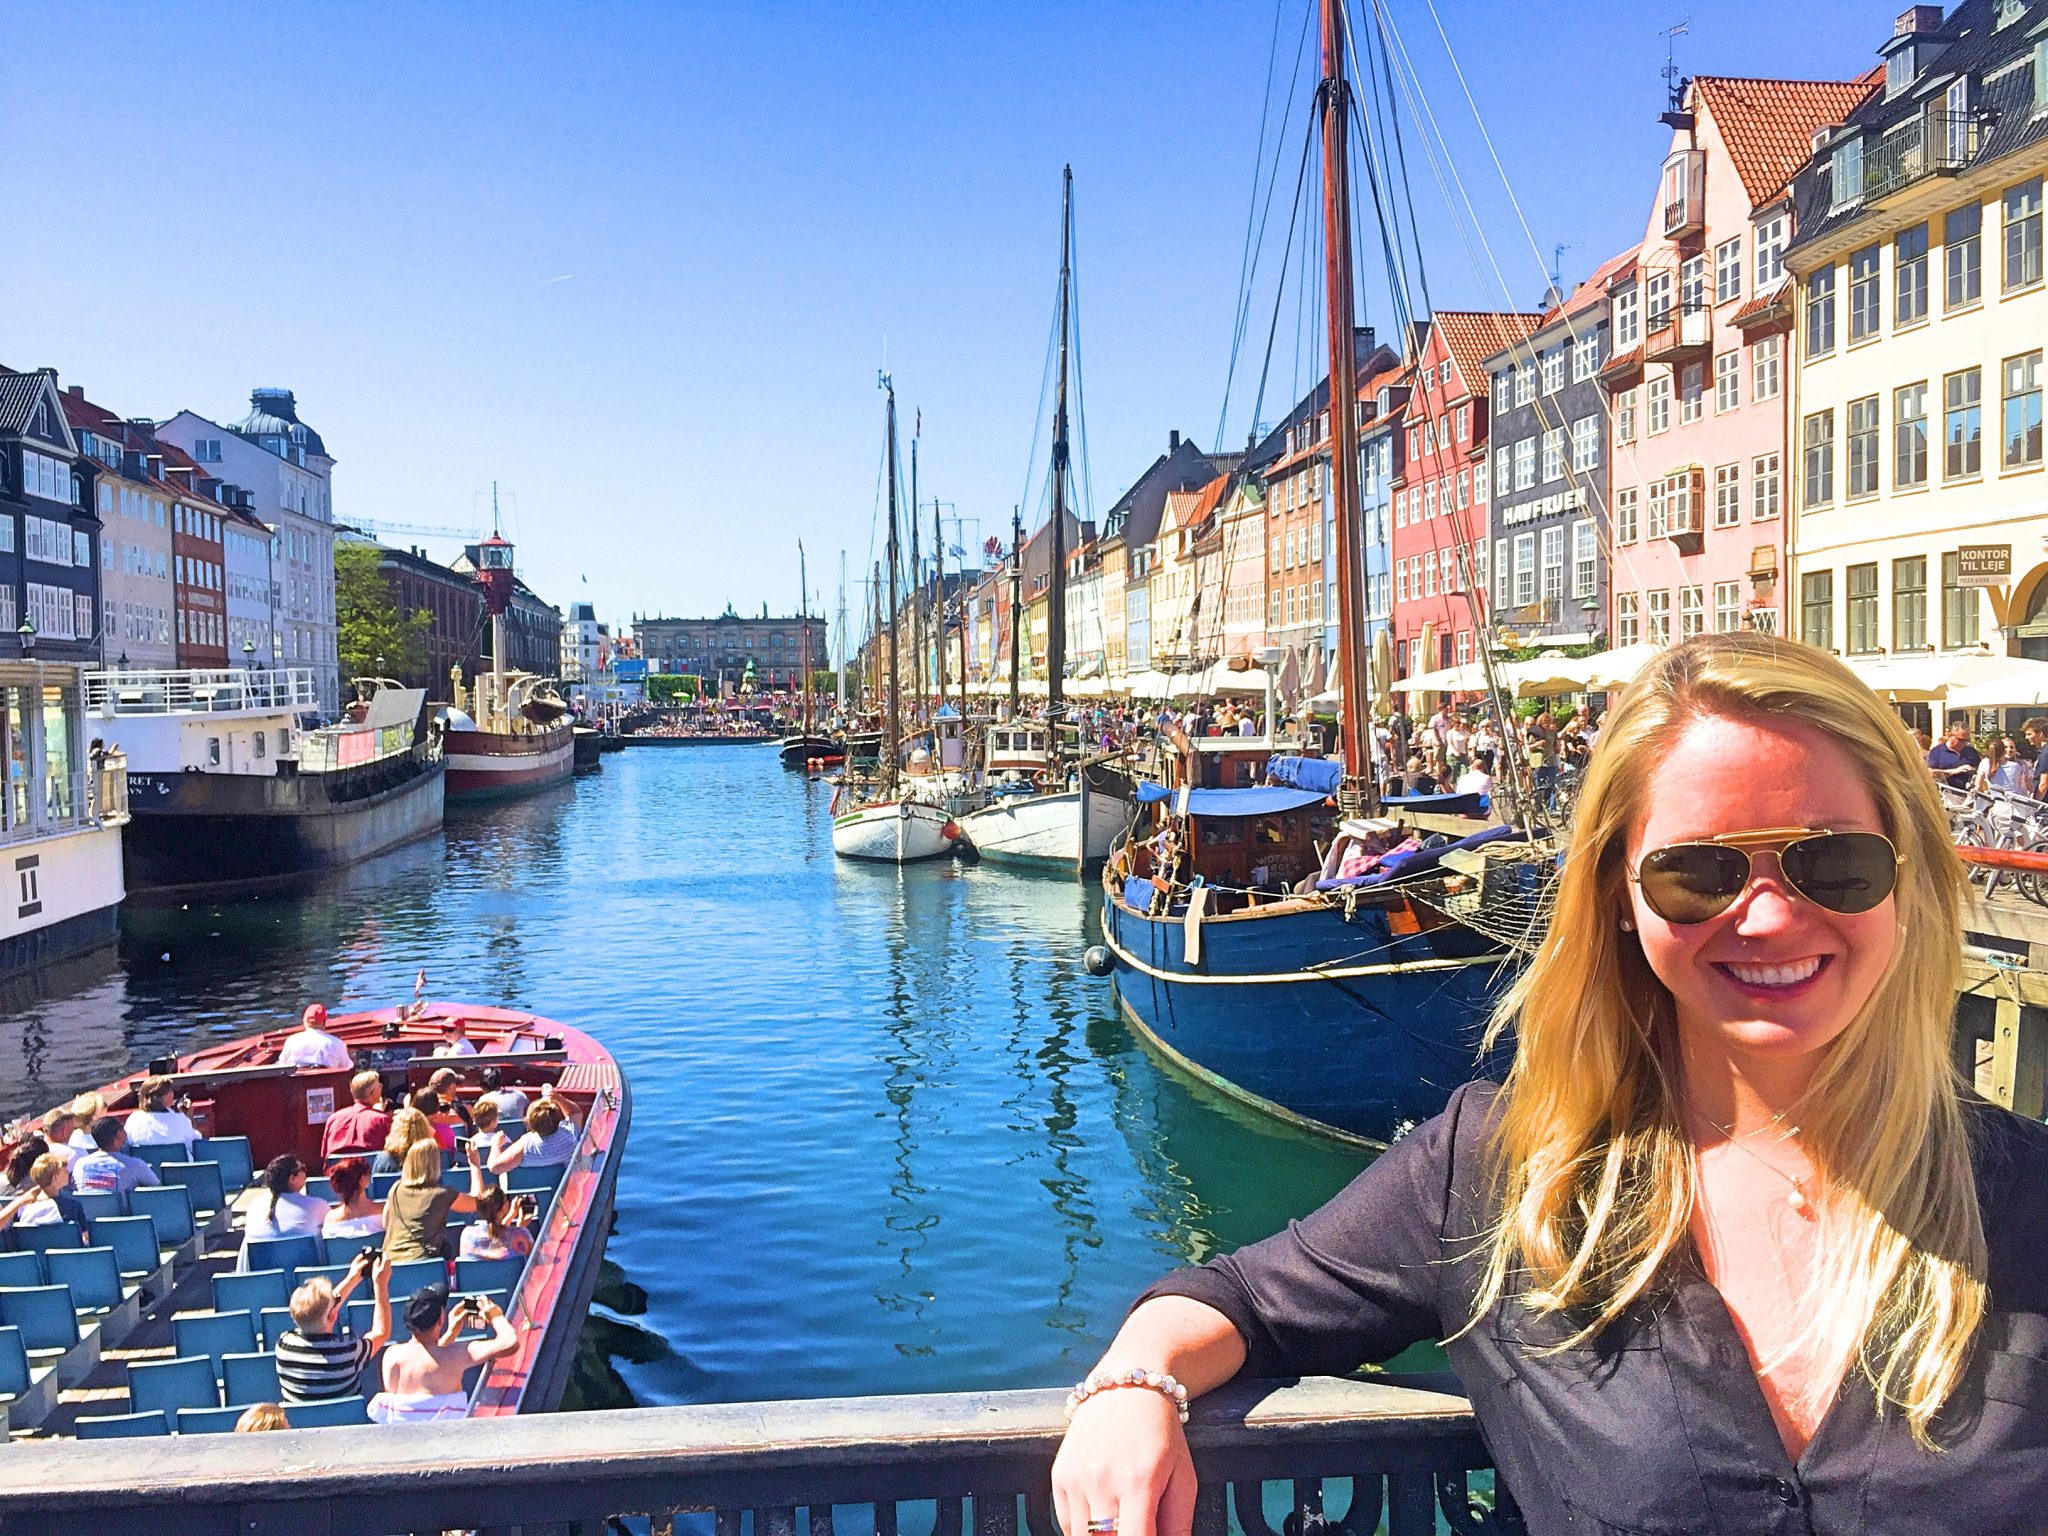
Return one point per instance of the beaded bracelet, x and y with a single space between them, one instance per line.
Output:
1136 1376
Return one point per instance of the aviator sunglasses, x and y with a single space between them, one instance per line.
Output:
1844 872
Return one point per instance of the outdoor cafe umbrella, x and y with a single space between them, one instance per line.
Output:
1974 679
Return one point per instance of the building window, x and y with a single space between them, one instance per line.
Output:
1818 439
1586 357
1525 569
1692 392
1585 559
1503 388
1909 276
1820 312
1553 370
1817 609
1657 301
1959 605
1770 251
1845 174
1692 284
1464 490
1525 464
1728 380
1862 434
1625 416
1625 530
1860 600
1553 454
1553 565
1909 604
1525 384
1727 495
1866 314
1660 618
1692 616
1766 491
1585 444
1627 619
2021 438
1627 321
1764 367
1909 436
2023 235
1962 256
1659 390
1657 529
1727 606
1503 572
1728 270
1962 425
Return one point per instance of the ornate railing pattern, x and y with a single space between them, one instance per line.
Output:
981 1460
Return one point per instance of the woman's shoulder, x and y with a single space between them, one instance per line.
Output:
2009 1153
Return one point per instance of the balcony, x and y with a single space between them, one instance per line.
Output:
1682 333
1684 192
1407 1453
1684 495
1936 143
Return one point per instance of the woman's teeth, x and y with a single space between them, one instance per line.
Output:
1788 974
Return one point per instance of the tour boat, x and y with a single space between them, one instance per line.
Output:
226 790
184 1249
1040 814
514 736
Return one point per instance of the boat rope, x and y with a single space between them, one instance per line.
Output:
1311 973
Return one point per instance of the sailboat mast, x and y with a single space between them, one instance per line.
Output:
938 604
1351 681
839 671
916 574
1056 596
892 727
803 620
874 698
1016 600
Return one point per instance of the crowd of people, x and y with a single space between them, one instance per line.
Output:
2016 767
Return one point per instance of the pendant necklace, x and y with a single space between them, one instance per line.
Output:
1796 1198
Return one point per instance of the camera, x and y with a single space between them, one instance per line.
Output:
370 1254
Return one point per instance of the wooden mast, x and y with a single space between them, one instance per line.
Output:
939 607
892 725
916 596
1351 656
1056 595
1017 636
803 622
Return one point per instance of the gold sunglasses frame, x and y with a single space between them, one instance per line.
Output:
1765 839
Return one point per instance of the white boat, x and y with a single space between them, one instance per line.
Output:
902 832
1038 816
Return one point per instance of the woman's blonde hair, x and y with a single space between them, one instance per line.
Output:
422 1163
408 1128
1595 1170
261 1418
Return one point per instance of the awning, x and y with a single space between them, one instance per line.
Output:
1263 800
1972 680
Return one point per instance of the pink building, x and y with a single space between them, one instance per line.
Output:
1699 376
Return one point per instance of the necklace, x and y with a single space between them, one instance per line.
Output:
1796 1198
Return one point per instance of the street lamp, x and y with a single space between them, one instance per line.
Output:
248 654
28 637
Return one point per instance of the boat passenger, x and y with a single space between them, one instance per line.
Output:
1730 1248
416 1211
58 1124
484 1132
499 1232
289 1210
85 1109
510 1101
444 1085
311 1045
318 1357
108 1169
551 1138
445 1125
159 1122
16 1181
455 1039
361 1128
423 1376
259 1418
407 1127
354 1213
49 1201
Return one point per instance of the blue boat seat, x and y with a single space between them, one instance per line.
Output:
134 1241
250 1292
237 1162
214 1334
156 1157
58 1234
92 1275
44 1314
333 1274
335 1412
487 1274
203 1181
300 1249
320 1189
165 1386
411 1274
210 1421
123 1426
381 1184
20 1269
15 1375
100 1205
250 1378
170 1207
362 1316
275 1323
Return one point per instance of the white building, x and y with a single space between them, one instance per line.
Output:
288 468
582 648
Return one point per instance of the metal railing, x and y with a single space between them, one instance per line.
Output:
87 797
166 692
982 1460
1932 144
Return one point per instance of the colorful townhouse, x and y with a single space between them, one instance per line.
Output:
137 596
1922 503
1382 400
1127 547
1241 541
1440 491
1699 374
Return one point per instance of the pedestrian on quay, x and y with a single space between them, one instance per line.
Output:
2034 732
1954 758
1728 1248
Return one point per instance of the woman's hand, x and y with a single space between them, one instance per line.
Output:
1125 1458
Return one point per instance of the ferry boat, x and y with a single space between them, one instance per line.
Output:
512 734
170 1274
62 812
227 790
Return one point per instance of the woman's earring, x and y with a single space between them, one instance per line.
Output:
1628 925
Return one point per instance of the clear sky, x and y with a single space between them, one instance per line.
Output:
639 264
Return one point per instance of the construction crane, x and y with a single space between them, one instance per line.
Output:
418 530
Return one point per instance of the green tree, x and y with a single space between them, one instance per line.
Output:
371 624
673 687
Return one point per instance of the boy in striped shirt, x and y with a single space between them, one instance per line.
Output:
319 1358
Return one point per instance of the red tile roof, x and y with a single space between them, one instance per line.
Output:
1472 336
1771 304
1768 124
1593 291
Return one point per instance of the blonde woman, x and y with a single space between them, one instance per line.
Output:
409 1127
416 1211
1728 1251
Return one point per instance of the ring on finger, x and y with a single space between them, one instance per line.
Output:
1106 1526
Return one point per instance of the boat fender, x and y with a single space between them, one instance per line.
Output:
1041 779
1097 961
951 830
1191 925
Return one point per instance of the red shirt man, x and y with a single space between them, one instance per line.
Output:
361 1128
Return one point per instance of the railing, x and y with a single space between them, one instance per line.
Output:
1934 144
200 692
1408 1456
87 797
1680 329
109 789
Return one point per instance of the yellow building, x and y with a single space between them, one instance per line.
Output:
1920 500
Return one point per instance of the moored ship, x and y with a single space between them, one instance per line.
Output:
226 790
511 735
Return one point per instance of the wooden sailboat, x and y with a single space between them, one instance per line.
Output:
807 744
888 820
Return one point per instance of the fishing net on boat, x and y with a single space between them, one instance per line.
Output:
1507 893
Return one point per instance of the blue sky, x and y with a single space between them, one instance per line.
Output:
639 264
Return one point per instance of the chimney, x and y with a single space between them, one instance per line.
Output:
1911 49
76 391
1917 18
1172 443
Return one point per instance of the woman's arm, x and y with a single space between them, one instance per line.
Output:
508 1157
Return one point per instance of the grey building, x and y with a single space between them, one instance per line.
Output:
720 648
49 564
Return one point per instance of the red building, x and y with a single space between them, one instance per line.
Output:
198 564
1440 491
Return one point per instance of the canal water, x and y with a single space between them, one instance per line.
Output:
888 1135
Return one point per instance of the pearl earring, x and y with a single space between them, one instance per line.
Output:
1628 925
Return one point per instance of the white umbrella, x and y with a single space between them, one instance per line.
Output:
1149 684
1220 679
1931 679
1469 678
2012 689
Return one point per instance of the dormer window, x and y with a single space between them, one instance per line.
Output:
1845 170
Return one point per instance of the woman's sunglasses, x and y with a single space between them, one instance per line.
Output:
1844 872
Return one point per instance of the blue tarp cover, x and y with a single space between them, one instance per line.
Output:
1317 773
1265 800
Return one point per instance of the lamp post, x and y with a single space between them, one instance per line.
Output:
248 654
27 632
